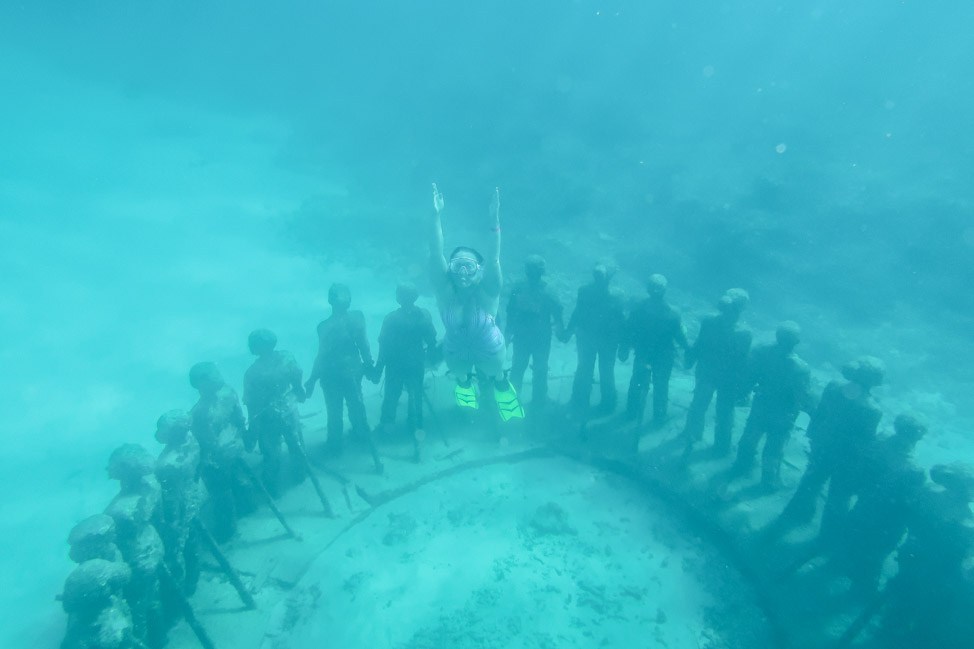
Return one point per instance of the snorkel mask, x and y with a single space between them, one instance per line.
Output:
465 271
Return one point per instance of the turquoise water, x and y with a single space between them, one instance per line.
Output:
173 175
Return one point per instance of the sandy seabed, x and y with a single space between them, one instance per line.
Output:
539 553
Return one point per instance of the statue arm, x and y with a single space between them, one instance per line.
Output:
380 360
429 331
572 321
626 338
295 373
309 385
557 316
693 351
362 342
680 332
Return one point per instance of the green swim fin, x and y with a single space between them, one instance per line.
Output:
466 396
508 403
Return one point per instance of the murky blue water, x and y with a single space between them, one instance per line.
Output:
174 174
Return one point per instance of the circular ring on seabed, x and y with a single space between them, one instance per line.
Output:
546 535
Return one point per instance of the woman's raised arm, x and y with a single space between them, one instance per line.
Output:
492 261
437 258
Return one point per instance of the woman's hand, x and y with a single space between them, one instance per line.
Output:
438 201
495 209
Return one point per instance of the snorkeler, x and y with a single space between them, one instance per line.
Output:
468 287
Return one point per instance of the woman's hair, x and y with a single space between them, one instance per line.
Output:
479 257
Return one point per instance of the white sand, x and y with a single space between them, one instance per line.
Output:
544 553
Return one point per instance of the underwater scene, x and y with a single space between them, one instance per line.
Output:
487 325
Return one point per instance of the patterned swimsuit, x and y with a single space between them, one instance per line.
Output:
471 333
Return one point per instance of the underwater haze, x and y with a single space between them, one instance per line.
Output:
176 174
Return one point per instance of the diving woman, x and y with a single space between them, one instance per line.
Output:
467 287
